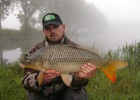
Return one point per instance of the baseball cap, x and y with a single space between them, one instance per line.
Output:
51 18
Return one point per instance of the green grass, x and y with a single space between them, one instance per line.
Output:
126 88
128 81
10 83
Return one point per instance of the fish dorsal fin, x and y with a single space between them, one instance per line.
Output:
67 79
86 48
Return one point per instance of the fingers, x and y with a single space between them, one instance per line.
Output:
87 71
51 71
50 74
91 69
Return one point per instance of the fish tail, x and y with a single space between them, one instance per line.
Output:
110 69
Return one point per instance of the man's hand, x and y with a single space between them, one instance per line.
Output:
49 75
87 71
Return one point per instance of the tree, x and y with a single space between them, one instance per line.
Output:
25 13
76 14
4 10
28 12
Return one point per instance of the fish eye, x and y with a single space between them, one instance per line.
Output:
28 60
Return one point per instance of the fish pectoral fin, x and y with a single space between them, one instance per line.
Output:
40 77
67 79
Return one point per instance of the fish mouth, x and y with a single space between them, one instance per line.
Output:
21 64
24 63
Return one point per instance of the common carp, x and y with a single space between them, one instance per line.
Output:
67 59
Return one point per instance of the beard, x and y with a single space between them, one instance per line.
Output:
55 42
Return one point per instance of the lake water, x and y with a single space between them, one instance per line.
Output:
12 55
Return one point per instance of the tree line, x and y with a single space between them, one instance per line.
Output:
77 14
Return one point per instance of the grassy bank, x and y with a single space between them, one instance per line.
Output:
126 88
10 83
128 81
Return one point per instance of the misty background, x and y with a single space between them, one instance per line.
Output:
102 24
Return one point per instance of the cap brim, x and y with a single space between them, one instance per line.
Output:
52 23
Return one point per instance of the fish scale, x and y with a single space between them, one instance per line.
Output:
70 55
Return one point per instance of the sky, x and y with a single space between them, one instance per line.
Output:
11 21
123 24
118 10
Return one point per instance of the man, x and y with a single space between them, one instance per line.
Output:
53 87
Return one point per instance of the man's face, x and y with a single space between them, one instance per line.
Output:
53 32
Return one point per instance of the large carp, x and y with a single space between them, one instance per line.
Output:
68 59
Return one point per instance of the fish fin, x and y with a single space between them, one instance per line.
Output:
40 77
67 79
110 72
118 64
110 69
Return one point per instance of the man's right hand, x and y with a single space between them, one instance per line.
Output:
49 75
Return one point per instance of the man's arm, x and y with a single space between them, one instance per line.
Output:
30 82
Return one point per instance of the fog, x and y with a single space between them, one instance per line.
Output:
104 24
123 22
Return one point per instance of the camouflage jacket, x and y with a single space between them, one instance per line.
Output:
30 82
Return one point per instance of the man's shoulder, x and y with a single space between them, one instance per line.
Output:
36 47
68 41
